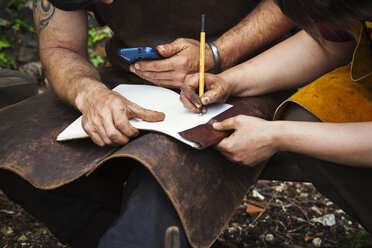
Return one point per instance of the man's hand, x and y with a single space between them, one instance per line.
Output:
217 91
106 117
181 58
252 142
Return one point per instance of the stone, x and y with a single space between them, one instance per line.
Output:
28 49
326 220
269 237
256 194
304 195
34 69
317 242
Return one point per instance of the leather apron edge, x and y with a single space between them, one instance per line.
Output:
279 110
352 76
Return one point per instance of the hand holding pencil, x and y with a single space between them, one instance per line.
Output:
217 90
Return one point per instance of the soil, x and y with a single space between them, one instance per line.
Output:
284 219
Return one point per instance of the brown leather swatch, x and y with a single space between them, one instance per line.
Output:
207 136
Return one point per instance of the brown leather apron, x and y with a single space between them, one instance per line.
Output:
343 95
204 187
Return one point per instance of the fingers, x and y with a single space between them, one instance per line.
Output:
136 111
95 131
186 97
161 75
103 131
171 49
105 119
153 65
211 96
166 72
228 124
215 90
96 138
180 59
192 80
112 127
121 122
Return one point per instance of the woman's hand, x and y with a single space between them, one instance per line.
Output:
253 141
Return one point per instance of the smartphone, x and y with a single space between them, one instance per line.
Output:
139 53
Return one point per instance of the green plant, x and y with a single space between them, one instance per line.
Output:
6 61
19 23
10 203
360 240
95 59
2 22
17 4
94 37
4 42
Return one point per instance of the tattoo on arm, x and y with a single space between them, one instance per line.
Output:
43 13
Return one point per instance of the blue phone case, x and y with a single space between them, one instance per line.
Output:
139 53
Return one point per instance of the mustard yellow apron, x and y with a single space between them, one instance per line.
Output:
343 95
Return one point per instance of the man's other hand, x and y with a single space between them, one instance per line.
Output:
106 117
181 58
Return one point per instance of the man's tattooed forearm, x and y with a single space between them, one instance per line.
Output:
45 12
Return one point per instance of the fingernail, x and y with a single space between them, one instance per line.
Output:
204 110
197 105
205 100
216 125
162 48
132 69
137 66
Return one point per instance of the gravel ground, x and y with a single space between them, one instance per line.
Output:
273 214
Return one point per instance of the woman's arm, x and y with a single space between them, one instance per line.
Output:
256 140
343 143
288 65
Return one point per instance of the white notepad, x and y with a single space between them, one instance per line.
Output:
177 117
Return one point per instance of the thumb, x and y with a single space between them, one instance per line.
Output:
168 50
215 92
211 96
228 124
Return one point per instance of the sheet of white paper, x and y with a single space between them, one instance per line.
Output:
177 118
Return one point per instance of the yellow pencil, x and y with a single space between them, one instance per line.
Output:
202 54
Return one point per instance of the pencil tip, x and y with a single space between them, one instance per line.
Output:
203 23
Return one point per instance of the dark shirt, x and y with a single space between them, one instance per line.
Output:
339 35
